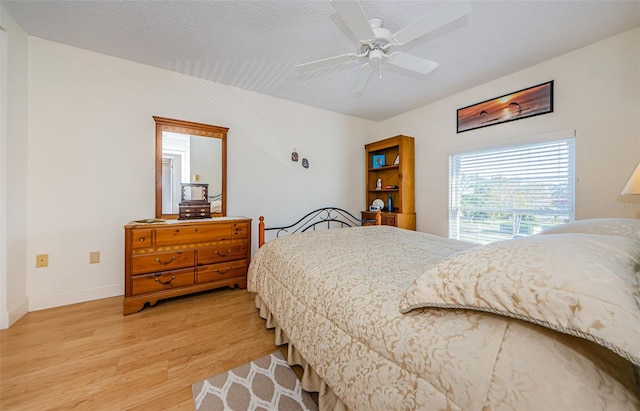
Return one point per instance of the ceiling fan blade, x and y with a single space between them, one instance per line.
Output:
362 78
432 21
353 16
413 63
330 61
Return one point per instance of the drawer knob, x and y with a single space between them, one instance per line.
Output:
165 262
142 239
196 229
173 277
222 255
223 272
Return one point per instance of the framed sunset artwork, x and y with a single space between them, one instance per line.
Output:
525 103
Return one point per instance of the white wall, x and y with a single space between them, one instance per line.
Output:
597 93
13 170
92 161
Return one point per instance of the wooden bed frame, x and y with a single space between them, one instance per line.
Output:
321 216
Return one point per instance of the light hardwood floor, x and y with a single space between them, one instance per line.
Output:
89 356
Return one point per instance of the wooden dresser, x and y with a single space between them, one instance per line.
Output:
178 257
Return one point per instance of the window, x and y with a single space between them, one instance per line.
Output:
511 192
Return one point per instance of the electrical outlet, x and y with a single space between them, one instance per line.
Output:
94 257
42 260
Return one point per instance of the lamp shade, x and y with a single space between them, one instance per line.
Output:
633 185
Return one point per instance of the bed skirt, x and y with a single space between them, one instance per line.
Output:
311 381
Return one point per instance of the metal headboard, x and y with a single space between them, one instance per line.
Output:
320 217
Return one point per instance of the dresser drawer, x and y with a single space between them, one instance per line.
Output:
214 272
141 238
388 219
240 230
227 251
194 211
148 263
194 233
369 215
385 218
148 283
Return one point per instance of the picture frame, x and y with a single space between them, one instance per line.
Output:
379 160
525 103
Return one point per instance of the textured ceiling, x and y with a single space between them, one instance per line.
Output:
255 45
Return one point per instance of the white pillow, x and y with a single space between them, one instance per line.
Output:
625 227
579 284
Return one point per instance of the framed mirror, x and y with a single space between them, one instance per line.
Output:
193 154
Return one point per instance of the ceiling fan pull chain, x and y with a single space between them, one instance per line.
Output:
380 65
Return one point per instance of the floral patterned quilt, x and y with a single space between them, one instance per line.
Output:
337 296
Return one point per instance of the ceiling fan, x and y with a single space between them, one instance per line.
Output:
377 41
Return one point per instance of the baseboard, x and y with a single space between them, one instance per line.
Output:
7 318
42 302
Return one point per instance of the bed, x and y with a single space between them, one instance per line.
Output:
382 318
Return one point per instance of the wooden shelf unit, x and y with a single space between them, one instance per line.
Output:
401 175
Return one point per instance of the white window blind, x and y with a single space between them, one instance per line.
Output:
511 192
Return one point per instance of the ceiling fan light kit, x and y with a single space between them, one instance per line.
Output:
375 40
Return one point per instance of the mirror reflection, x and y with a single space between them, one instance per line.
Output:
191 169
190 159
195 192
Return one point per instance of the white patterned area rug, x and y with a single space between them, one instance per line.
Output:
267 383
